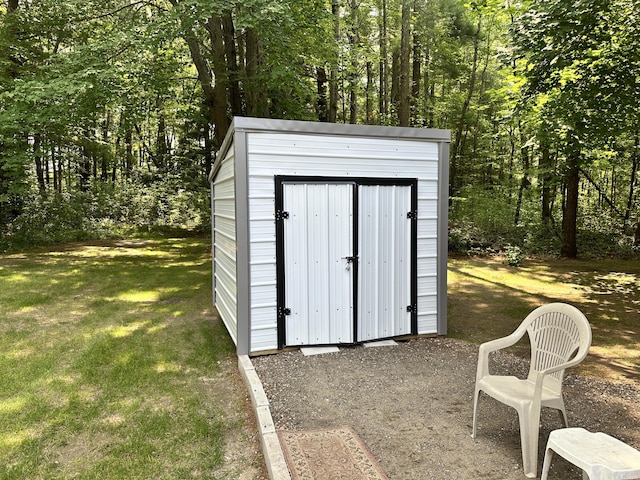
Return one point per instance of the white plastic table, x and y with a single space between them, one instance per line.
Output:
600 456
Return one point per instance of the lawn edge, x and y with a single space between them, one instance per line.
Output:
271 449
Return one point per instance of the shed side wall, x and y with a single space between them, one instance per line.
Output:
225 283
270 154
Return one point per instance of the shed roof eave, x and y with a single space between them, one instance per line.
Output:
325 128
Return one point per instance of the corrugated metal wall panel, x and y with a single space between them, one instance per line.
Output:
264 318
342 156
428 209
427 267
427 227
263 251
272 154
384 288
285 144
428 189
427 247
428 322
224 246
317 284
428 303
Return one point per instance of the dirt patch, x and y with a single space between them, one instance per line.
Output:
412 406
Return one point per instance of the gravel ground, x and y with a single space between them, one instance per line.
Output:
412 406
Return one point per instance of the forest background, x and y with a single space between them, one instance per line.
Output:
111 111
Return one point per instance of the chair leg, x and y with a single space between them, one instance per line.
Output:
563 417
475 412
529 442
548 456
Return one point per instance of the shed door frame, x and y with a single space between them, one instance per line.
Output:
281 181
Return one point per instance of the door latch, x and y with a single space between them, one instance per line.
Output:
350 260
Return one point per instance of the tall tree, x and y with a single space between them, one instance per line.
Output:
404 112
580 65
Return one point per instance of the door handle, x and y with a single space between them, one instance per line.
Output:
351 259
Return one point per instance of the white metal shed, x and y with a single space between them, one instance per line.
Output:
329 233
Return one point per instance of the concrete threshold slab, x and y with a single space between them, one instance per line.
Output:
381 343
308 351
271 449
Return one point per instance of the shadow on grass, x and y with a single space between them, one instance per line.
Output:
488 300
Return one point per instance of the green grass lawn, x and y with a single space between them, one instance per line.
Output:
112 365
488 299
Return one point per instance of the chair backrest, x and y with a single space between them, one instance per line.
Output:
559 333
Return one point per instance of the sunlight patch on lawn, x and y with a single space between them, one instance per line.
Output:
120 250
19 353
143 296
16 278
157 328
126 330
16 438
162 367
12 405
527 280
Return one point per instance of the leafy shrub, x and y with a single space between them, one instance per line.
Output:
106 211
514 255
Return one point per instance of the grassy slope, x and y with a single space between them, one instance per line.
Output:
109 362
488 299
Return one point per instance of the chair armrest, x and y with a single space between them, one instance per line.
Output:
493 345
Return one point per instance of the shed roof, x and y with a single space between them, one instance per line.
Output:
252 124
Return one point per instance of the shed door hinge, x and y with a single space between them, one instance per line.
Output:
413 215
284 311
412 309
281 215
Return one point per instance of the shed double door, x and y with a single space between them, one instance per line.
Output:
347 262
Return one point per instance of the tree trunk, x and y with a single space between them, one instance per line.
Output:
570 215
546 178
632 180
353 75
525 182
395 79
160 157
54 167
322 106
208 149
84 163
218 66
332 113
368 93
383 94
457 144
231 55
104 157
37 153
416 67
404 112
206 83
255 91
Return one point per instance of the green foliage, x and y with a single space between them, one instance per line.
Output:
514 255
102 113
107 212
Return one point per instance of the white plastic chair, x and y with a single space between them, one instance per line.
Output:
560 337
